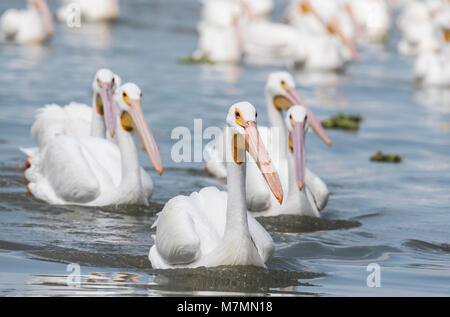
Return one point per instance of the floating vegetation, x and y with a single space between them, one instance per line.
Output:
388 158
301 224
195 60
343 122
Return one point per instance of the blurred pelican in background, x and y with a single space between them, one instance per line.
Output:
327 34
219 32
432 67
211 227
420 23
91 10
371 19
425 27
92 171
33 25
217 11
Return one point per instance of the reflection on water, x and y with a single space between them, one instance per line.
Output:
435 98
227 73
94 36
237 280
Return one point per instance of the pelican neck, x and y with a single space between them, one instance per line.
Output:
98 128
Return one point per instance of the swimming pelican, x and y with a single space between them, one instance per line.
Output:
220 13
76 119
258 9
219 35
212 227
371 17
326 34
94 171
91 11
219 44
266 41
431 69
417 22
280 95
33 25
299 199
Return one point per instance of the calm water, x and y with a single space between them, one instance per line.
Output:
394 215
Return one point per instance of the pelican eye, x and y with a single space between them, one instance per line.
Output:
125 97
284 85
290 116
238 117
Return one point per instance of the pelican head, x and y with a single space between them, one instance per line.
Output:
280 88
104 85
128 99
297 123
42 7
241 119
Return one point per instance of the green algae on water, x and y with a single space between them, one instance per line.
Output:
388 158
343 122
195 61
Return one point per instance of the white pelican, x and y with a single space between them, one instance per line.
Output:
327 37
432 69
299 199
220 13
33 25
219 34
77 119
231 27
258 9
372 17
212 227
219 44
420 31
280 95
91 10
265 41
93 171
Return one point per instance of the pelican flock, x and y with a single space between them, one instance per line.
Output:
280 95
87 155
92 170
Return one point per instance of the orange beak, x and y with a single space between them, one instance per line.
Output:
257 150
145 134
